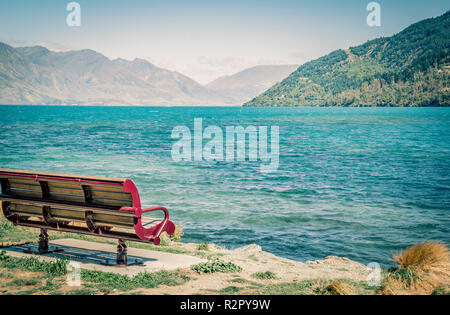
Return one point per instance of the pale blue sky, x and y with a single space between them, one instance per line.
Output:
206 39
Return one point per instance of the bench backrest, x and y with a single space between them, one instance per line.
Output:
103 192
105 206
72 203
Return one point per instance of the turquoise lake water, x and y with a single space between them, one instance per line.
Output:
362 183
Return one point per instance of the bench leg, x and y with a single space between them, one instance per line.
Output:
122 253
42 248
43 242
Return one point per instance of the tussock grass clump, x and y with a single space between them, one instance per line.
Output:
339 288
216 265
422 269
441 291
423 256
394 285
178 234
267 275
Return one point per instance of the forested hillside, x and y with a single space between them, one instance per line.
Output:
411 68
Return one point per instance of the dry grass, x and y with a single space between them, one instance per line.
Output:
394 284
339 288
422 269
178 234
423 257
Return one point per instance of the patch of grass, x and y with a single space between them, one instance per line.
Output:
230 290
208 255
241 281
9 233
50 285
317 287
111 281
253 257
23 282
292 288
402 281
133 293
203 246
51 268
82 292
5 226
55 235
216 265
267 275
6 275
407 276
159 248
26 292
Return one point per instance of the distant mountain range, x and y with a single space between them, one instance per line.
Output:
245 85
411 68
36 75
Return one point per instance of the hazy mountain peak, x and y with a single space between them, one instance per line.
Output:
120 60
140 61
34 49
5 48
244 85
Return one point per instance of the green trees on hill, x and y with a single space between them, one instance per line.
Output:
407 69
430 88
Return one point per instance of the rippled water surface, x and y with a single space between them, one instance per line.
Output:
361 183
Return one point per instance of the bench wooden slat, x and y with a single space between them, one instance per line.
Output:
26 210
64 175
71 198
41 203
25 193
112 195
64 214
29 183
66 191
109 202
106 188
109 219
26 187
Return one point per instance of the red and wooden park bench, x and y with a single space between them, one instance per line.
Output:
92 205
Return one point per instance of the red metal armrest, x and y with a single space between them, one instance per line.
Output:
153 233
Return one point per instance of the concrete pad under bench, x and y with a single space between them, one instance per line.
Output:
91 255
